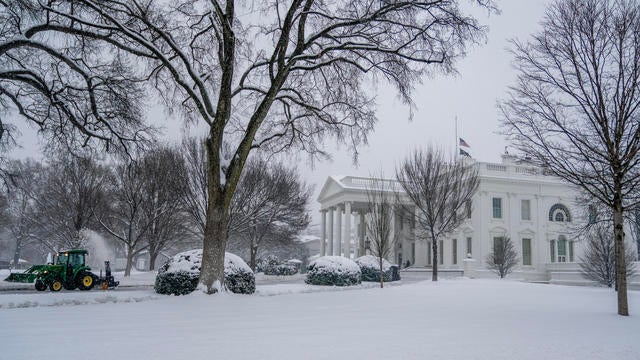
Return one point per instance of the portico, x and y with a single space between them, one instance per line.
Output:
343 214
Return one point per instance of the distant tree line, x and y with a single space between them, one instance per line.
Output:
153 202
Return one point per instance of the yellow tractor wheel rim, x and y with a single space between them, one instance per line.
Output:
87 280
57 285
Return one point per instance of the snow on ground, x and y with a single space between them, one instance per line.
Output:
451 319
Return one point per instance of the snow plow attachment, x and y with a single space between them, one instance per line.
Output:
28 276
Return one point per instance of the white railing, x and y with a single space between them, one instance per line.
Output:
496 167
517 170
368 183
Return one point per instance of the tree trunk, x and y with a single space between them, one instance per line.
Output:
621 271
253 253
152 260
381 274
434 267
16 257
214 242
127 269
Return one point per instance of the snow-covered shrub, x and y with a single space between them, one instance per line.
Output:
179 276
281 269
370 268
395 272
264 263
238 276
333 270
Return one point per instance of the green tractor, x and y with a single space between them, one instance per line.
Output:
68 271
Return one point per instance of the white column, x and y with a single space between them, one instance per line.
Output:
363 231
323 232
392 237
338 247
330 240
347 230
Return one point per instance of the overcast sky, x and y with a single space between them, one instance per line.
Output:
483 78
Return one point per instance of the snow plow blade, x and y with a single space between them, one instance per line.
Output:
22 277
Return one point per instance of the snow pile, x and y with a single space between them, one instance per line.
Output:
333 270
370 268
180 275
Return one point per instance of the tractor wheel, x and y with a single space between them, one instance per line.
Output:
40 285
55 285
85 281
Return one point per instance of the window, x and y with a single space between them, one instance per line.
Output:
560 213
429 250
552 250
454 251
526 251
593 214
441 252
413 253
525 209
497 208
562 249
571 251
467 209
497 243
469 251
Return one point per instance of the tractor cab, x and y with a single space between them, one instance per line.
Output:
71 258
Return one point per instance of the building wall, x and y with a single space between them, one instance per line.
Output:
512 183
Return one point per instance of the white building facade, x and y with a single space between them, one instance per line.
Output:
537 212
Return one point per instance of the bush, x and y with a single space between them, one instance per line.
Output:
179 276
176 283
281 269
333 270
370 268
269 261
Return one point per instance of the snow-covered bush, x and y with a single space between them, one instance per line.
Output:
263 264
179 276
333 270
370 268
281 269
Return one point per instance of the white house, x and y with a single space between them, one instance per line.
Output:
514 199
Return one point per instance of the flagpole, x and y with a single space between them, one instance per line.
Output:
457 141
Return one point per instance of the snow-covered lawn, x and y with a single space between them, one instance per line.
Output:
453 319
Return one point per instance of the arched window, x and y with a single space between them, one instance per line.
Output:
559 213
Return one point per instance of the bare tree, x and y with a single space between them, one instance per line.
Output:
503 258
599 262
19 210
72 195
125 220
441 190
165 177
270 203
196 197
381 204
575 106
285 76
75 93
